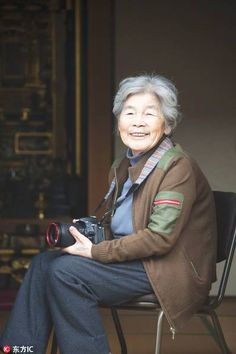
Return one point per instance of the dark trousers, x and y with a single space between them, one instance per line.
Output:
65 291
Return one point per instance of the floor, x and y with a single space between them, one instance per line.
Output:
140 327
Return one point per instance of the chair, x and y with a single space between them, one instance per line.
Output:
226 241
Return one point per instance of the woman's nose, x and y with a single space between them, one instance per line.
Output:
139 120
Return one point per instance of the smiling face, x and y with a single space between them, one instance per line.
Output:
141 123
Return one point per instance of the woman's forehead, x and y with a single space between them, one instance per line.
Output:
149 100
146 96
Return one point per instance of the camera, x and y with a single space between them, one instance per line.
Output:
58 234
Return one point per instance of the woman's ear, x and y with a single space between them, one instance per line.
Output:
167 130
117 127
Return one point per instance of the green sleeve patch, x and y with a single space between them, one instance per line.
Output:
166 210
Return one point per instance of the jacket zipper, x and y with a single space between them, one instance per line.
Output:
172 328
116 191
173 332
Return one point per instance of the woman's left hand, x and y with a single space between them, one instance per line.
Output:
82 246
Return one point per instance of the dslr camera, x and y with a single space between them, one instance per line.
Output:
58 234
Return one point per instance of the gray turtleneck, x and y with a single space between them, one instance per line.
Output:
121 223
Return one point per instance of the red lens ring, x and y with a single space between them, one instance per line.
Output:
48 238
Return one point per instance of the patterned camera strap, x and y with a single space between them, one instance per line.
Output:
149 166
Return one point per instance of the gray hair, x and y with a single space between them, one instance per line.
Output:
158 85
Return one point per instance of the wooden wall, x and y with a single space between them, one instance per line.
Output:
100 92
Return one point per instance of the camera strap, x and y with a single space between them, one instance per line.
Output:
149 166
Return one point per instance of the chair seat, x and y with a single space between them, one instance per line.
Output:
146 298
151 301
144 301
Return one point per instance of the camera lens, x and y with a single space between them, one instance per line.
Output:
58 235
52 234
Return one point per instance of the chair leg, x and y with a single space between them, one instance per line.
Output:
218 333
54 344
209 326
119 330
159 332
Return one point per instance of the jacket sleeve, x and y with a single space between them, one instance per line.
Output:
170 213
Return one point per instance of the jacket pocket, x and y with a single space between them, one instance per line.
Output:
193 267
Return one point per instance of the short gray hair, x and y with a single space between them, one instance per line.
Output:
158 85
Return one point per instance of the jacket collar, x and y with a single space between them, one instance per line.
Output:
125 169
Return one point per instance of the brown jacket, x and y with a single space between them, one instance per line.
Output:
175 233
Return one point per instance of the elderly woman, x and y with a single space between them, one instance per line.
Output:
161 236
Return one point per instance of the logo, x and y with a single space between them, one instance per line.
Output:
17 349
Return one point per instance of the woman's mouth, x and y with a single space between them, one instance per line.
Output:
138 134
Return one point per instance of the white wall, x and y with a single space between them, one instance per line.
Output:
193 44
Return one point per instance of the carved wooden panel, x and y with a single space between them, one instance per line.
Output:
28 64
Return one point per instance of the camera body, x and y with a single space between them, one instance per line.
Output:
58 234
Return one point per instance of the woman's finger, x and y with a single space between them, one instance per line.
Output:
75 233
75 220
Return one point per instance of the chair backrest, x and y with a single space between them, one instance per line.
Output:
225 203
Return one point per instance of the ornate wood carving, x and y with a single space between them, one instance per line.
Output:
27 103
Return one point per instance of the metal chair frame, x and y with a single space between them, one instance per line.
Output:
150 302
